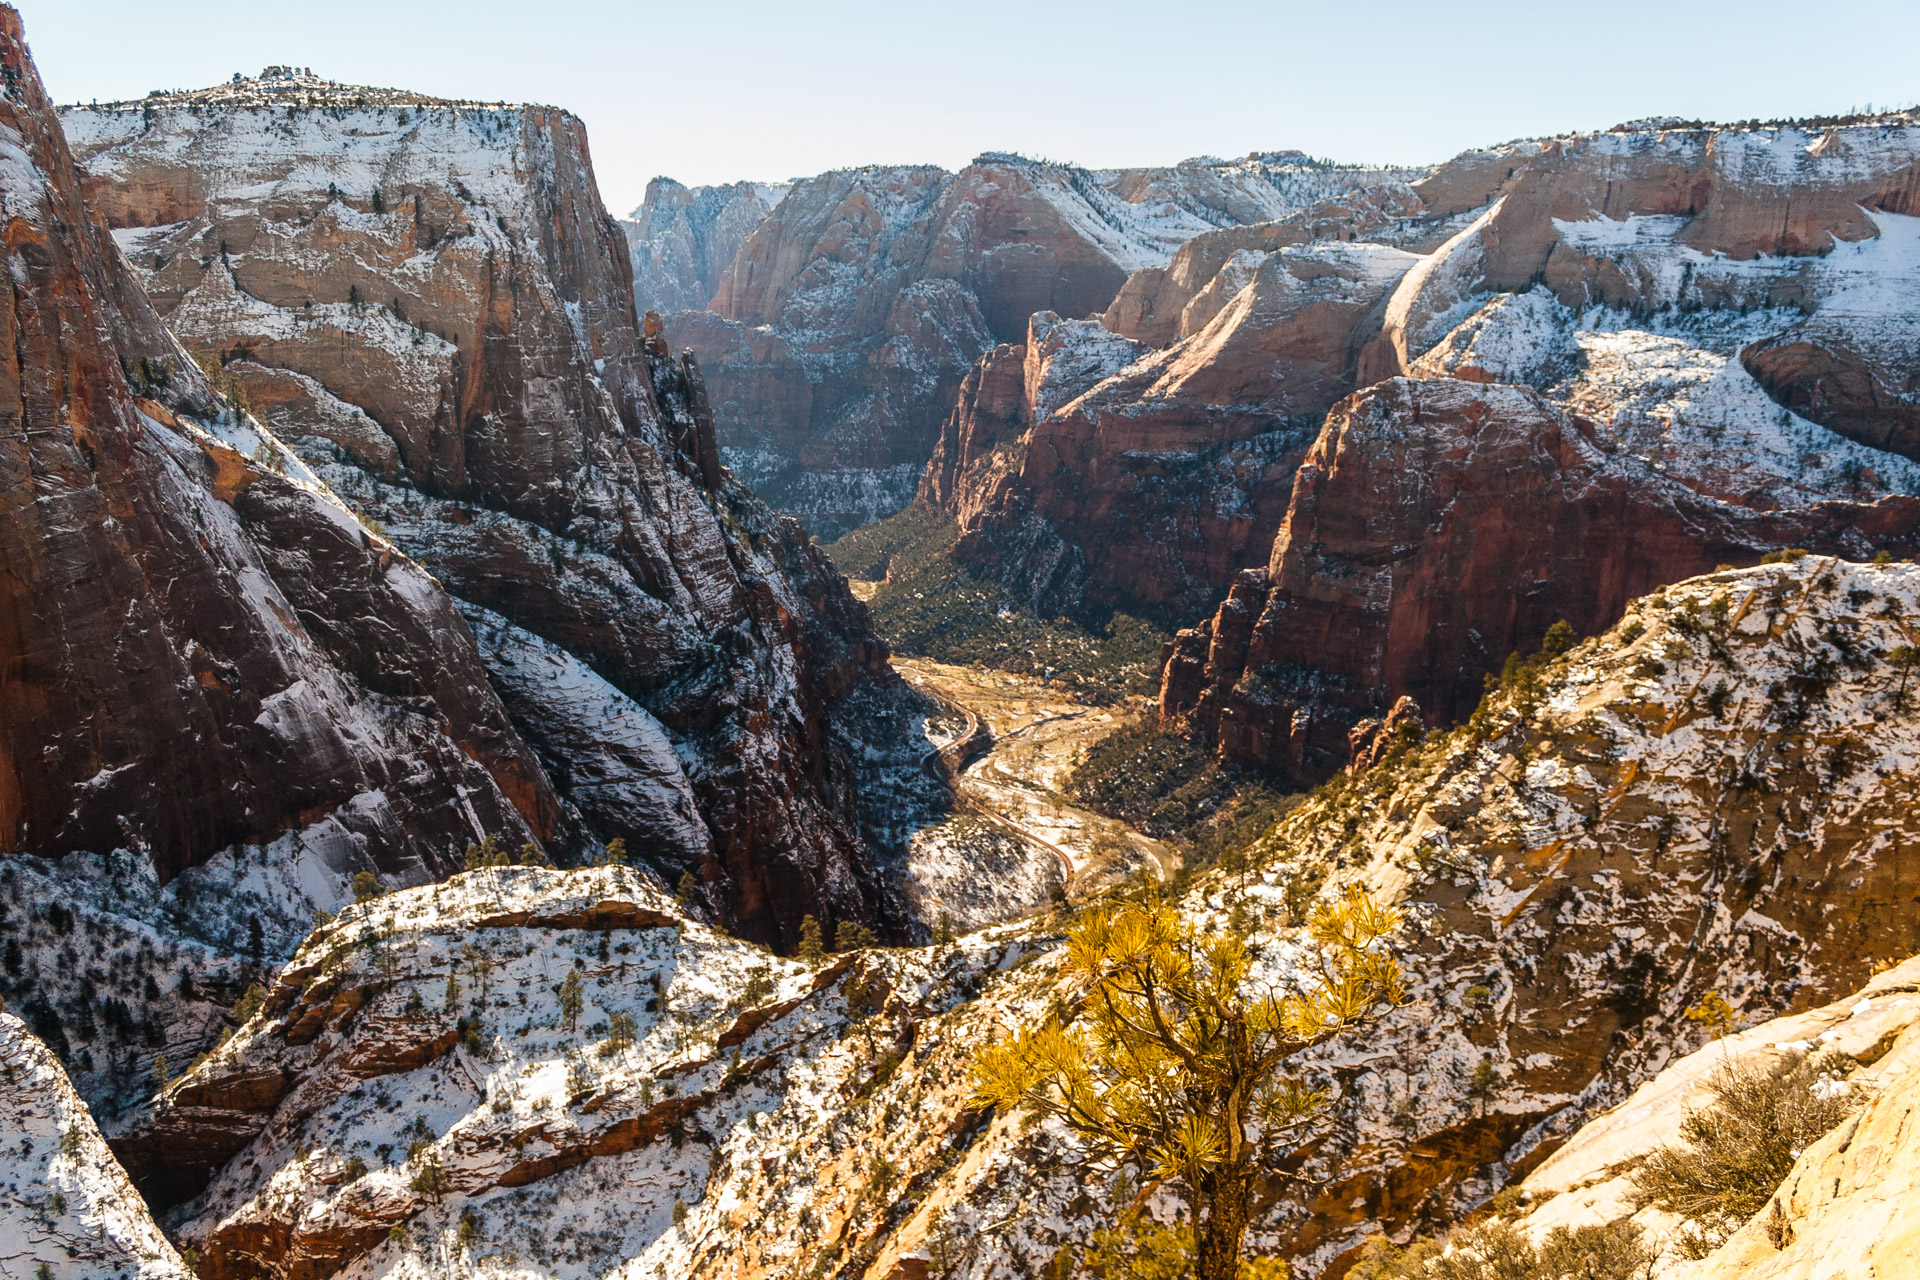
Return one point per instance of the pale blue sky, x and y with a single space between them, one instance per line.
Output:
710 92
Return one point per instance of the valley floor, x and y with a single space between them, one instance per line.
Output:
1035 735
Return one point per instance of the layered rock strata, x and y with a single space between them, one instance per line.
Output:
1437 526
882 286
427 300
201 648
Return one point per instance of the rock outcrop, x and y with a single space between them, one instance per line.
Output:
428 302
682 240
1630 279
200 647
1700 800
1160 482
1437 526
884 285
1588 1181
67 1210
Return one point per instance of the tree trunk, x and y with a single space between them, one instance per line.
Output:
1228 1198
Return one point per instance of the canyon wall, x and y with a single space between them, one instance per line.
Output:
878 288
427 301
202 647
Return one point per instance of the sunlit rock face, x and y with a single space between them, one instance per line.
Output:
428 302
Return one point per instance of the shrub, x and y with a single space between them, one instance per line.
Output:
1735 1152
1501 1251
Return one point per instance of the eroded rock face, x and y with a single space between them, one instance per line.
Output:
1168 474
1692 802
202 647
1437 526
886 284
427 299
1740 219
1588 1181
682 240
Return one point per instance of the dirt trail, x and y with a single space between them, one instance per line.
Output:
1014 773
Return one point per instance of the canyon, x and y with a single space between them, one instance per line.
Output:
839 331
458 819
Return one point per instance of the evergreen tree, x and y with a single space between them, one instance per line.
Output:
1178 1073
849 936
811 948
570 998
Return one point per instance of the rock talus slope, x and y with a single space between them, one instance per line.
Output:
67 1210
202 648
428 301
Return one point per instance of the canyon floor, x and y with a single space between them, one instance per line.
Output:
1014 775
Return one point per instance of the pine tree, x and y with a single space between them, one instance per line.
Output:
1178 1073
453 989
811 949
570 998
256 939
851 937
366 886
616 852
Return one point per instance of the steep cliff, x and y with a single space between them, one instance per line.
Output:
428 302
1630 279
682 239
884 285
1435 527
201 649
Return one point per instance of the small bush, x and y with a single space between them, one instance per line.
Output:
1501 1251
1735 1152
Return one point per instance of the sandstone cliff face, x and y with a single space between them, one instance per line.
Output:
1730 218
1714 796
67 1211
1160 480
1437 526
1629 278
682 240
202 649
886 284
1857 1223
428 301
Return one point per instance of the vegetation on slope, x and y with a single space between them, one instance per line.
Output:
929 607
1171 788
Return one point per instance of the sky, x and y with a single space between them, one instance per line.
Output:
713 91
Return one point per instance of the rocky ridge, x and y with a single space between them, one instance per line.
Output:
67 1211
1585 1182
429 303
208 656
1712 796
682 240
1627 281
878 289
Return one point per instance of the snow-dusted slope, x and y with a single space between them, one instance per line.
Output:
1714 796
67 1211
